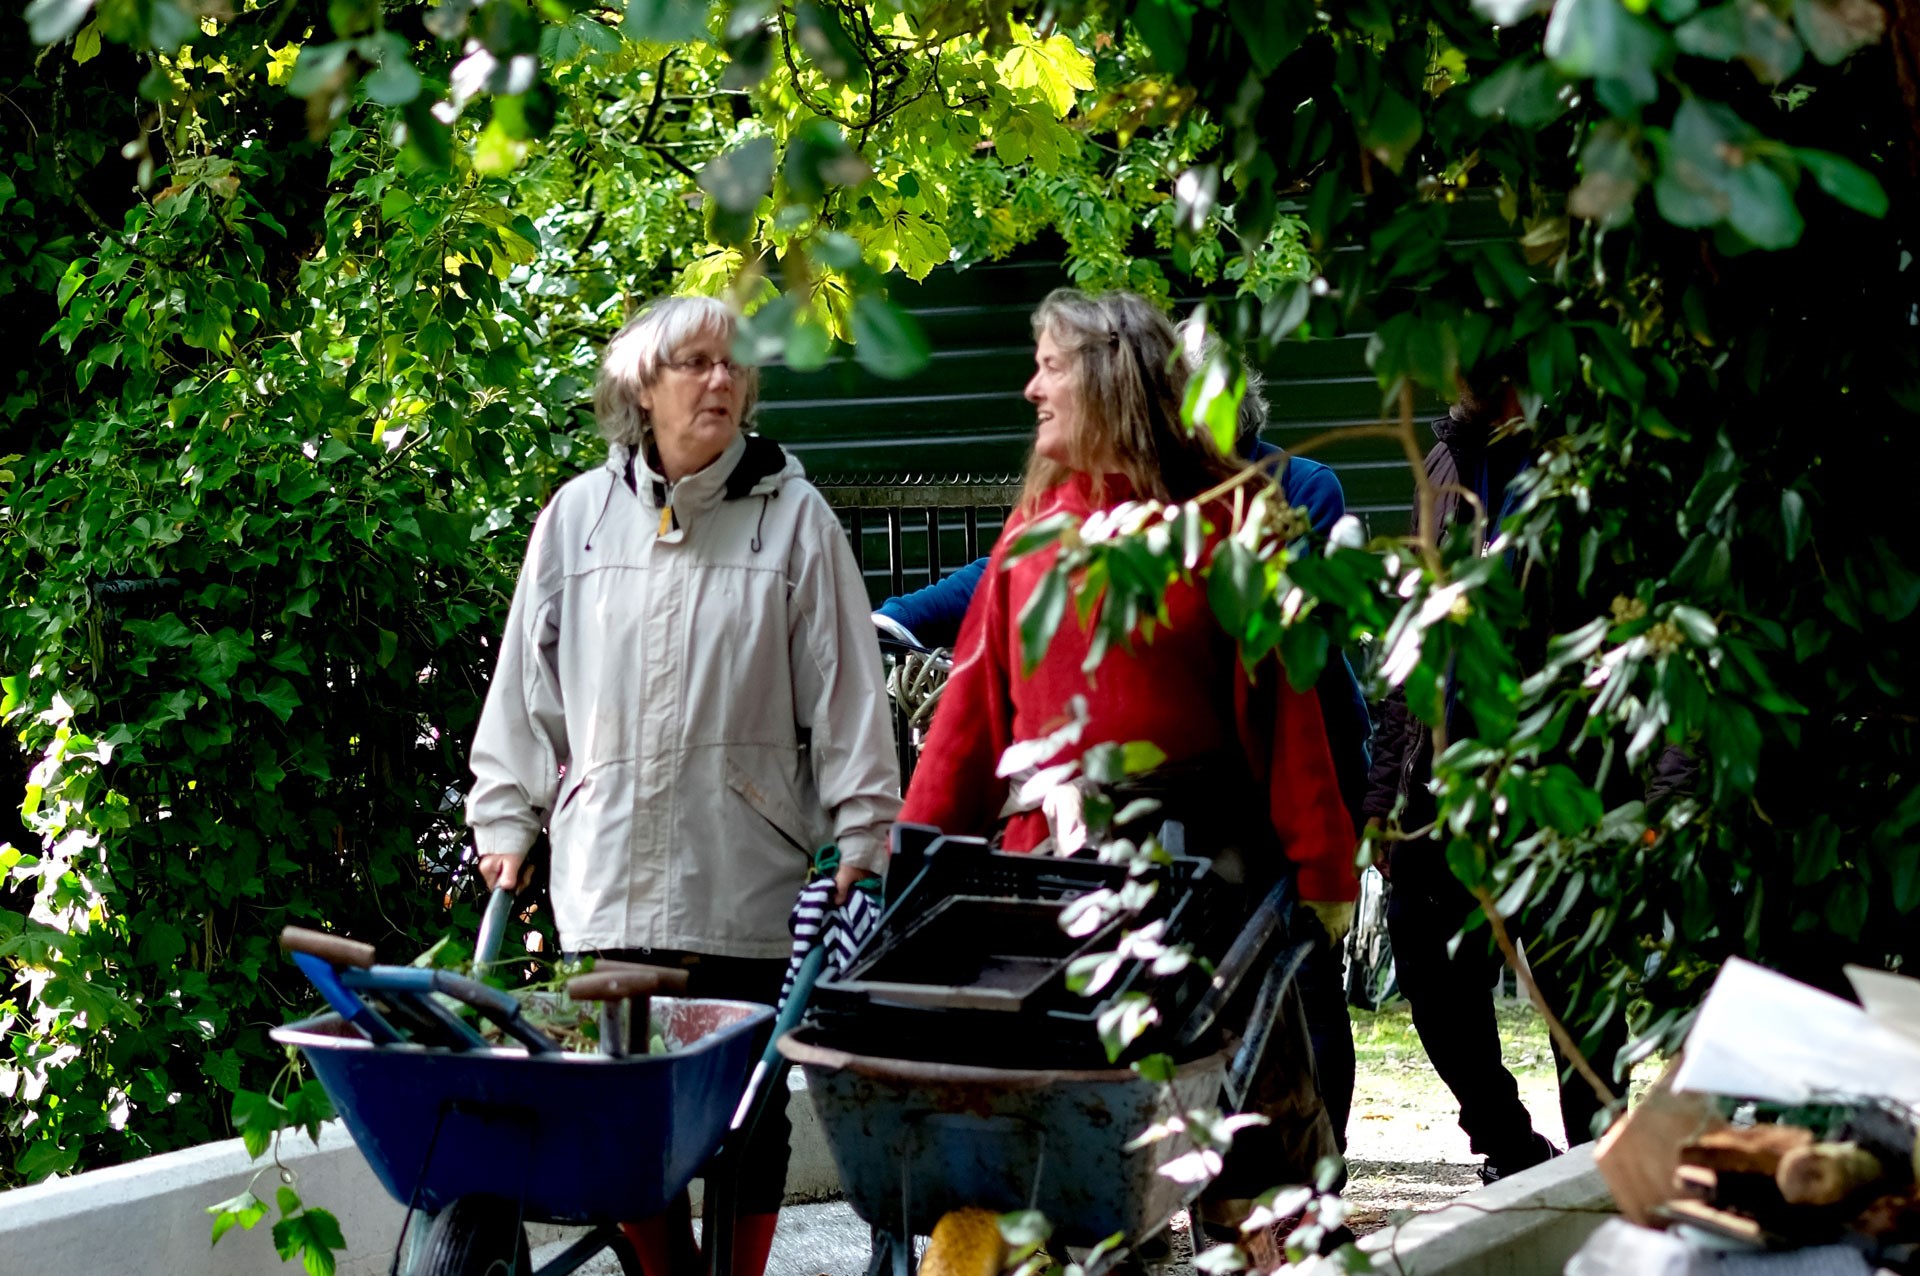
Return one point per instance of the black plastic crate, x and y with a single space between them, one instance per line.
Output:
969 962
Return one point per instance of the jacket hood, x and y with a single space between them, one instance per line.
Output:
752 465
1460 434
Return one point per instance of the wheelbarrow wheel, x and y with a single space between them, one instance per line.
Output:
477 1236
965 1243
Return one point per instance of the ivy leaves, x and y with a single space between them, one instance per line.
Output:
1715 169
1706 178
1710 166
51 21
738 180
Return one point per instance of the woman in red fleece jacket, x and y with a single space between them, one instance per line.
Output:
1107 391
1248 768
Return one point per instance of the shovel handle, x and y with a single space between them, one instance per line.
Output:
493 927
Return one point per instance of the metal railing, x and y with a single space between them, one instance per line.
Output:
908 533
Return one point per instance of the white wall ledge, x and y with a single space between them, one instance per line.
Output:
1526 1225
149 1217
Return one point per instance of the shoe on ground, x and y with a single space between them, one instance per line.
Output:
1539 1151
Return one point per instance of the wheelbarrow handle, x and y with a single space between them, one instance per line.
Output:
1268 1004
1254 939
723 1200
335 950
493 927
611 981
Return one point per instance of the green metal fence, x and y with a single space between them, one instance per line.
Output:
907 446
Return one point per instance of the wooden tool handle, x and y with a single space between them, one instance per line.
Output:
336 950
603 984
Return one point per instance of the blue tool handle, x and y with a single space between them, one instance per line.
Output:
766 1072
344 1001
795 1005
413 991
463 1035
421 981
493 927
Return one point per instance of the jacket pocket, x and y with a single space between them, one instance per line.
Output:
569 805
774 804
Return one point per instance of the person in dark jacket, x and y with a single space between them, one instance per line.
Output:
1451 993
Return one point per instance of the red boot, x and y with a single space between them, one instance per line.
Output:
665 1244
752 1242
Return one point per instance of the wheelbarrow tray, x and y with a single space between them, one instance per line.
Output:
914 1140
573 1138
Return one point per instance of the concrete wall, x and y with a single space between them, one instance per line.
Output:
150 1217
1526 1225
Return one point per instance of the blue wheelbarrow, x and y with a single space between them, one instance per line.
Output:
482 1138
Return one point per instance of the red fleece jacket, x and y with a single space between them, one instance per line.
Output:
1185 690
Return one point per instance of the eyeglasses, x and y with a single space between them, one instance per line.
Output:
700 366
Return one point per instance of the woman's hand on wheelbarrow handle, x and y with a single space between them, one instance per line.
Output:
846 877
500 869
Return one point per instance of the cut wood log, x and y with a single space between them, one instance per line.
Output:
1695 1183
1895 1217
1826 1173
1636 1157
1725 1223
1753 1149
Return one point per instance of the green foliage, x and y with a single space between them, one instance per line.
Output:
1706 307
256 548
317 325
305 1232
332 354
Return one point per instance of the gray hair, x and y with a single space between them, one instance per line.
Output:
632 362
1197 346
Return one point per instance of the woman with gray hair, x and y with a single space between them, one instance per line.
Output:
688 702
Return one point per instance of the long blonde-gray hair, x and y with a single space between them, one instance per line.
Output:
634 356
1132 382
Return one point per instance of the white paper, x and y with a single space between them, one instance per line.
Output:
1892 999
1761 1035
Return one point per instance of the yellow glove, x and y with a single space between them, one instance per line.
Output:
1337 918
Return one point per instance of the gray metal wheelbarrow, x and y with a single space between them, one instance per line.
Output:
916 1139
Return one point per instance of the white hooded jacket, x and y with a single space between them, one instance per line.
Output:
689 699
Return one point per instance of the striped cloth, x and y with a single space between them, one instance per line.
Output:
814 920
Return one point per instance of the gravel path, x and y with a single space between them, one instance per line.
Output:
1405 1149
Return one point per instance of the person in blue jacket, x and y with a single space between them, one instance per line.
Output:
931 617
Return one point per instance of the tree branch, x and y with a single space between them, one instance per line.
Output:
673 163
1556 1029
659 95
793 69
